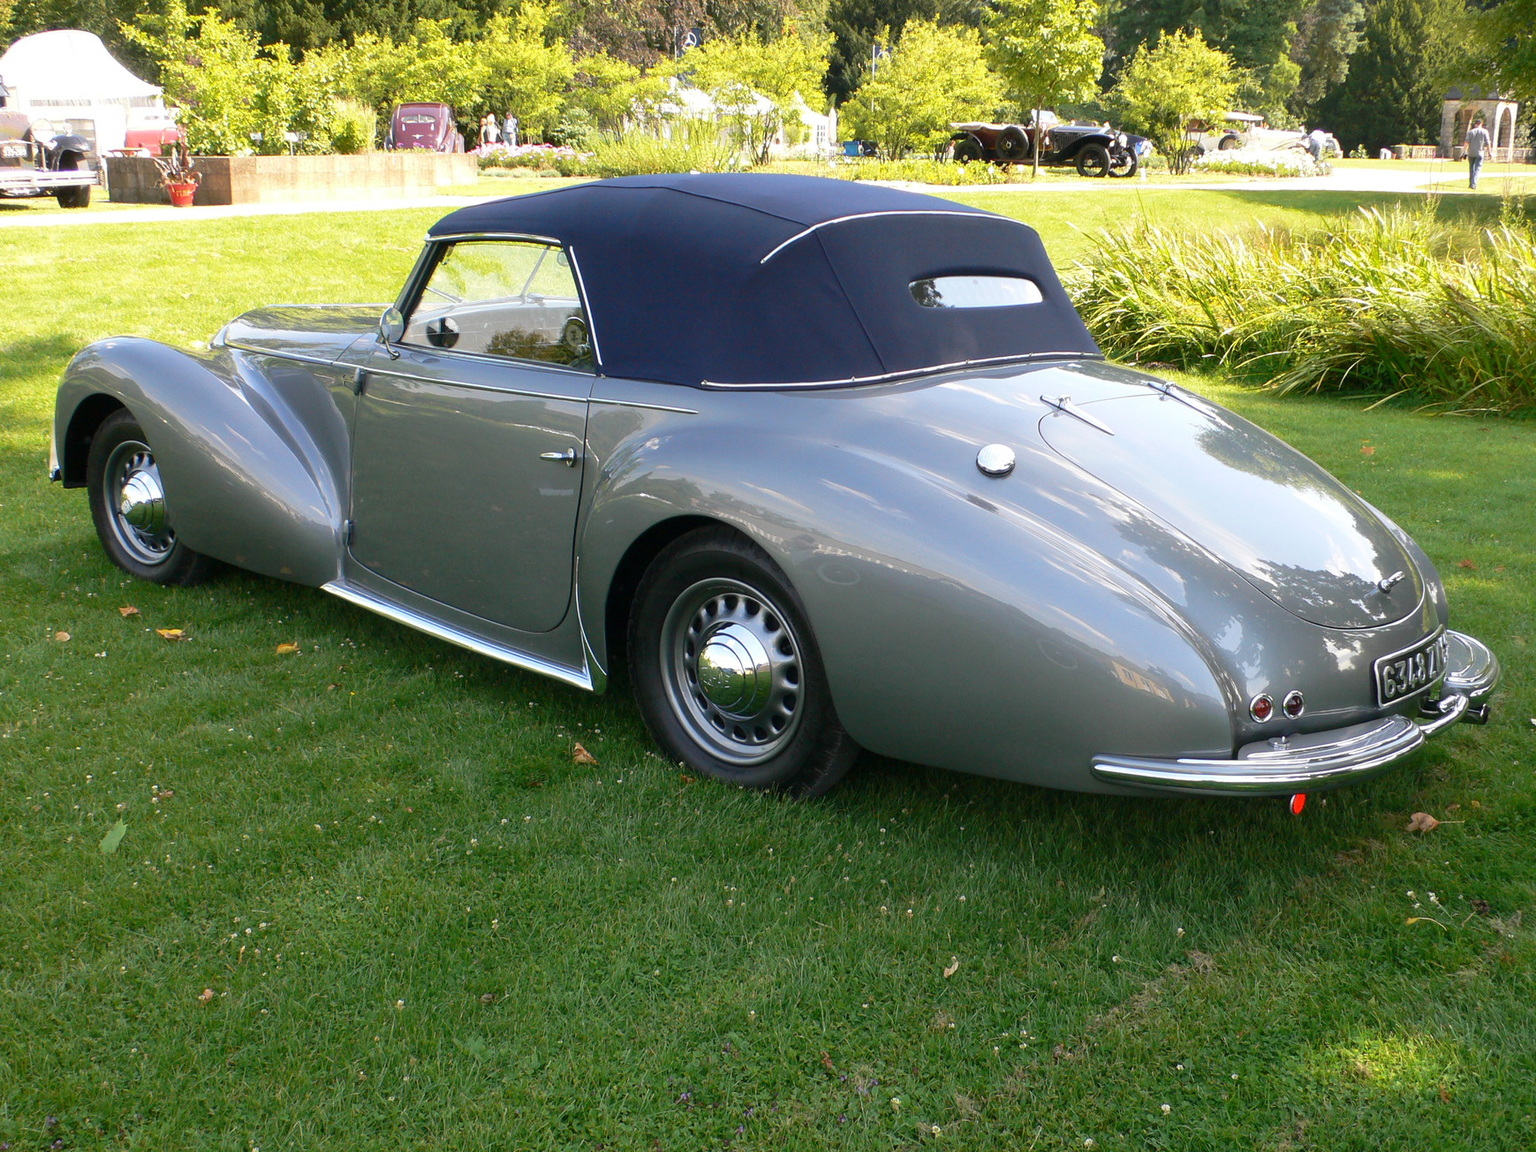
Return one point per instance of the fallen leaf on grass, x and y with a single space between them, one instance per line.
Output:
61 637
1481 907
582 756
1422 822
205 995
687 779
954 966
1467 564
127 610
113 838
1367 449
1431 919
487 997
286 649
826 1062
172 633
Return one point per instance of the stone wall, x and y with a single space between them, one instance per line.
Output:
296 179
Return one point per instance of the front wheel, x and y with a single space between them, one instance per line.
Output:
1124 164
129 510
727 672
1093 160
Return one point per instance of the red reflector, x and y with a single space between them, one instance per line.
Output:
1298 802
1261 708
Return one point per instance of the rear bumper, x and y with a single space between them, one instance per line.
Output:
1322 759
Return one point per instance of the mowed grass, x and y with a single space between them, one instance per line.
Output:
365 898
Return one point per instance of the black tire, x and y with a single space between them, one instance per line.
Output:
967 150
1124 165
726 670
1093 161
74 197
129 510
1012 145
1227 143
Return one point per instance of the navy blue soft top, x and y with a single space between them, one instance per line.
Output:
757 279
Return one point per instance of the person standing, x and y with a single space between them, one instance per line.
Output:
509 130
1478 142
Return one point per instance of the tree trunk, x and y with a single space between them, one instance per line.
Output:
1039 135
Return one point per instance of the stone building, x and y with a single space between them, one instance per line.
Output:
1499 117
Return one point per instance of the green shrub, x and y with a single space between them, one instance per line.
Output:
694 146
1387 304
353 127
921 170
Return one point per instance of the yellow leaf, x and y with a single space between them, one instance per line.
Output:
1422 822
127 610
582 756
287 649
61 637
172 633
954 966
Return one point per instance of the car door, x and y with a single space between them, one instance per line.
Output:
469 432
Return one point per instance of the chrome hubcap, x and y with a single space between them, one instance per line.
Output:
732 670
137 500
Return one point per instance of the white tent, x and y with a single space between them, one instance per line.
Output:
69 76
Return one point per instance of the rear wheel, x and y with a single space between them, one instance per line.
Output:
967 149
1125 164
1228 143
727 672
1093 160
129 509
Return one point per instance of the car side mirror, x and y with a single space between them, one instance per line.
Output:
391 328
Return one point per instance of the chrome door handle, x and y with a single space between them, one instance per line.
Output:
568 457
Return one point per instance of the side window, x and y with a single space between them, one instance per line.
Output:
512 298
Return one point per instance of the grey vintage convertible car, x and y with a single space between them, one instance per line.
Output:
827 466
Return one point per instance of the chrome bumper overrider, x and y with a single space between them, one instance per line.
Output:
1308 763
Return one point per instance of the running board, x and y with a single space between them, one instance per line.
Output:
477 644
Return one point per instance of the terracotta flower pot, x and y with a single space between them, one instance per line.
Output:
181 194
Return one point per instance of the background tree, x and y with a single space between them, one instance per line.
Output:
1256 34
934 75
1397 78
1165 86
529 72
609 91
1507 35
856 25
1327 35
1045 52
755 82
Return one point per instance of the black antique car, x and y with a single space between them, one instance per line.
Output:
1092 149
39 159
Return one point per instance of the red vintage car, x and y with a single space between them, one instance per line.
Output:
427 126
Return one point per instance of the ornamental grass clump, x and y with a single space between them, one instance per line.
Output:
692 146
1391 304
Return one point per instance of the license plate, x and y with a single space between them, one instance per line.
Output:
12 151
1407 673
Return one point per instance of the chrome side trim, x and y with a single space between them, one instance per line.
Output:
907 374
581 678
641 404
299 356
869 215
479 387
586 308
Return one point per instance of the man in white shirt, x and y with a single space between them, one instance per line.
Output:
1478 142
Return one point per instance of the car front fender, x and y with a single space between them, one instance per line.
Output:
245 480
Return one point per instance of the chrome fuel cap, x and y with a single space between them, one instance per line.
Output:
995 460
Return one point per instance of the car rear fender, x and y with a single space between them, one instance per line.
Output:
952 633
245 476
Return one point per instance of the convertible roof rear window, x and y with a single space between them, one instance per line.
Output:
975 291
742 280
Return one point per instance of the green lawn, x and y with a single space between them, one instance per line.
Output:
420 924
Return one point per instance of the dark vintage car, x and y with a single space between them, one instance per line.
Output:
825 465
1091 149
427 126
36 159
